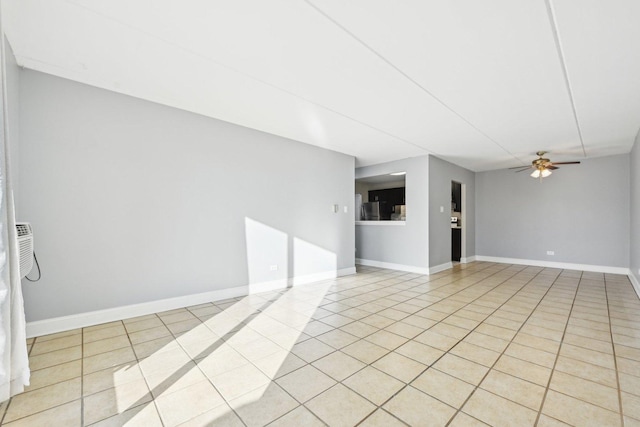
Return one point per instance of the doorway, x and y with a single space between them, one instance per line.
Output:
457 224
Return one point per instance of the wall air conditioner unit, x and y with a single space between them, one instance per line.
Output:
25 246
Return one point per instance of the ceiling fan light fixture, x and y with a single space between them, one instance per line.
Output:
542 167
541 173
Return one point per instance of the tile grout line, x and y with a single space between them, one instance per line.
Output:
370 364
143 376
399 288
303 404
615 359
121 323
46 409
380 406
477 386
6 408
201 371
555 362
364 337
447 352
418 285
430 304
82 377
273 380
462 338
82 359
589 363
394 321
155 404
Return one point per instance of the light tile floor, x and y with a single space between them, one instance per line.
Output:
482 344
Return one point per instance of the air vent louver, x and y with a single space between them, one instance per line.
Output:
25 246
24 229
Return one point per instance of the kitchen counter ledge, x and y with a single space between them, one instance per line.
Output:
385 222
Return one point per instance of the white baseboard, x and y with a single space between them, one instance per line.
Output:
468 259
81 320
90 318
635 282
347 271
392 266
271 285
552 264
441 267
311 278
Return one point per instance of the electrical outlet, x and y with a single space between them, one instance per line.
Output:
273 267
346 209
551 253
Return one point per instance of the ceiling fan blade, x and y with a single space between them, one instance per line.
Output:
542 166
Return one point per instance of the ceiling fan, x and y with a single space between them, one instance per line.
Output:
541 166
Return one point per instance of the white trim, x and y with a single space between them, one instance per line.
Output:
552 264
317 277
347 271
271 285
468 259
463 212
635 282
81 320
441 267
392 266
381 222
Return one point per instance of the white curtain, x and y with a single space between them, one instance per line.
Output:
14 363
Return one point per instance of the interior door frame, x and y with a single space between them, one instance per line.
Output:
463 219
463 210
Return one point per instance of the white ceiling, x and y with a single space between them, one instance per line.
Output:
483 84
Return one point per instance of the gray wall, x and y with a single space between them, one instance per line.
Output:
635 210
409 244
132 201
581 212
441 173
